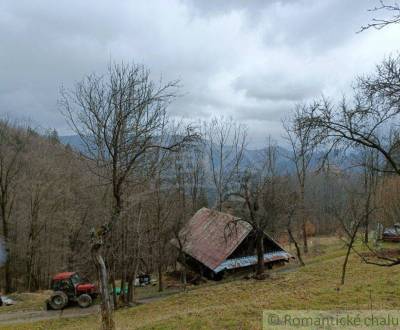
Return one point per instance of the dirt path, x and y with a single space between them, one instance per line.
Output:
42 315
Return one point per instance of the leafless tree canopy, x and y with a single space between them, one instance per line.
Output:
225 142
368 124
369 120
261 192
303 143
121 119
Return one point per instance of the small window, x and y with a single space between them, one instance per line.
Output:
76 279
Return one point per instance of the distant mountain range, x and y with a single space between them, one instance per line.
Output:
74 141
284 164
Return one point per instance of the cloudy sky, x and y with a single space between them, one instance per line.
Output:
252 60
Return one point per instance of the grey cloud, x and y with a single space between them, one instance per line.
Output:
277 87
219 7
310 23
265 112
247 59
317 25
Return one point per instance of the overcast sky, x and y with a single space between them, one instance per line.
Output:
252 60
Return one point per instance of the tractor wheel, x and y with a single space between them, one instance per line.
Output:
84 300
58 300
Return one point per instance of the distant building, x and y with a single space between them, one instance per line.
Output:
392 234
215 243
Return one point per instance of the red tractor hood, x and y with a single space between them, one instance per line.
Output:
86 287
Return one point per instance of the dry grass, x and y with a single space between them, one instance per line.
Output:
26 301
239 304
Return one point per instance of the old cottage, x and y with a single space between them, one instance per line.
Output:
215 243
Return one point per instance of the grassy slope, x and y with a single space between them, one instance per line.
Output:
239 304
26 301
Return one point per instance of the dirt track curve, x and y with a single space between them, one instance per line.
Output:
42 315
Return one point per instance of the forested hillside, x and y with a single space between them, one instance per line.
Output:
49 202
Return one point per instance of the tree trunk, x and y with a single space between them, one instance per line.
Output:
107 322
298 252
260 254
220 201
131 283
349 247
367 208
184 272
303 218
160 279
29 270
182 261
305 243
114 291
122 296
184 278
345 262
132 279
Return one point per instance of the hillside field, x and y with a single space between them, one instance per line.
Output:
239 304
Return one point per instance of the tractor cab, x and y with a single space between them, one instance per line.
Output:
71 287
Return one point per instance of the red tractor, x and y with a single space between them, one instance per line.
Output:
71 287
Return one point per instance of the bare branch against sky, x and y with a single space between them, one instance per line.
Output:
393 17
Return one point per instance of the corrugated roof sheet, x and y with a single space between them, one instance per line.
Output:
252 260
391 232
211 236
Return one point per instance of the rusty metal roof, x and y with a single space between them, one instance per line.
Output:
211 236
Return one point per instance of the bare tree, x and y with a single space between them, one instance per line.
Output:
393 9
350 220
131 229
369 122
358 207
190 176
292 201
260 190
39 189
181 183
303 145
189 180
45 196
162 200
12 144
225 144
119 118
370 184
